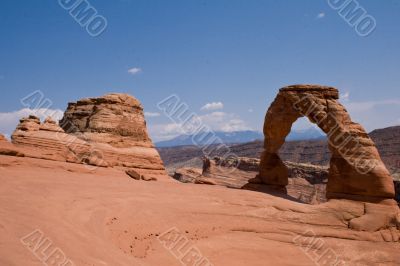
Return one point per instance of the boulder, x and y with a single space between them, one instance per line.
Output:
205 181
30 123
137 176
187 174
134 174
50 125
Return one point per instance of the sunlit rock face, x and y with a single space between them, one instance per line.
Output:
356 169
115 126
108 131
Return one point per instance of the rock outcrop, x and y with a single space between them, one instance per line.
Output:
49 141
108 131
115 127
307 183
7 148
356 169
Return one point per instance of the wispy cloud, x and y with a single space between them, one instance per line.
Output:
212 106
216 121
370 105
152 114
9 120
345 96
375 114
320 15
134 70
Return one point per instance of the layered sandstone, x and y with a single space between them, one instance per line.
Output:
114 125
49 141
108 131
7 148
356 169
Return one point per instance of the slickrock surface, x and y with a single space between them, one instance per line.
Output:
114 125
356 169
95 221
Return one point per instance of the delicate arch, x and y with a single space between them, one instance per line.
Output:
356 169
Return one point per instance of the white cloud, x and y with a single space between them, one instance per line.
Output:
375 114
302 124
320 15
9 120
134 70
212 106
370 105
162 132
345 96
151 114
215 121
250 110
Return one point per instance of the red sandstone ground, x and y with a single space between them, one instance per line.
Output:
103 217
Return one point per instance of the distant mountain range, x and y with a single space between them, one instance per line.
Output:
236 137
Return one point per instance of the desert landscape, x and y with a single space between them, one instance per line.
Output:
97 176
199 133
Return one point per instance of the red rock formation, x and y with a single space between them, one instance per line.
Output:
115 126
108 131
7 148
307 183
49 141
356 170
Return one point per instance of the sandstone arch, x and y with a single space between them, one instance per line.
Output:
356 169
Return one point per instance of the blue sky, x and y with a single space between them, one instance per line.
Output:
233 53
